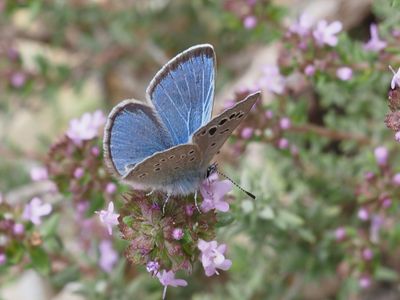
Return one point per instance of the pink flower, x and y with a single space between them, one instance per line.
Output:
250 22
367 254
152 267
363 214
309 70
35 210
344 73
212 257
386 203
395 79
326 33
108 217
18 229
381 155
78 173
364 281
396 179
246 133
177 234
213 192
39 174
85 128
340 234
108 256
18 79
269 114
273 80
95 151
167 278
302 26
111 188
397 136
374 44
283 143
285 123
3 259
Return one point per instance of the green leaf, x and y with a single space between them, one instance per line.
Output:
224 219
386 274
40 260
49 226
267 213
290 218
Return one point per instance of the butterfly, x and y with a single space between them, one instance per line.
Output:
167 143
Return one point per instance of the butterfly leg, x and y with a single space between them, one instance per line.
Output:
165 203
195 202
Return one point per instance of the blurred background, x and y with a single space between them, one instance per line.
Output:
303 238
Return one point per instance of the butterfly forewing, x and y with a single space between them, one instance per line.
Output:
182 92
212 136
133 133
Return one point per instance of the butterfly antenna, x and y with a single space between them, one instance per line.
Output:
238 186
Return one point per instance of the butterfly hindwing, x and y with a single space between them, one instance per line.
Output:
212 136
176 165
133 133
182 92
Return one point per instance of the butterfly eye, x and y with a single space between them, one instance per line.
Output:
222 122
212 130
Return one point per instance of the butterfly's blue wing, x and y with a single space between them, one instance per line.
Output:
182 92
133 133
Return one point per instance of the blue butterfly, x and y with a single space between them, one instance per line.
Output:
167 144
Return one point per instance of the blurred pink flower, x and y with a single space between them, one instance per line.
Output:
364 281
3 259
212 257
250 22
18 79
396 179
381 155
18 229
269 114
367 254
309 70
363 214
78 172
111 188
95 151
283 143
272 79
152 267
395 79
39 174
108 256
302 26
387 202
285 123
344 73
326 33
213 192
246 133
340 233
86 127
397 136
35 210
374 44
108 217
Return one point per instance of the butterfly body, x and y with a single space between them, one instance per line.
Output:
167 144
